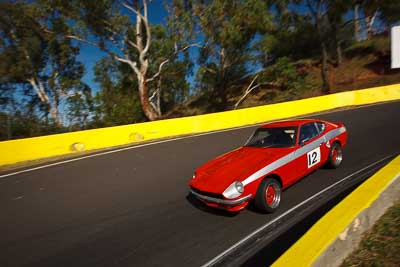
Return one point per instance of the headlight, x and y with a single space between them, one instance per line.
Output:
239 187
194 175
234 190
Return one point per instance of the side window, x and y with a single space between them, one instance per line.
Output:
320 126
308 131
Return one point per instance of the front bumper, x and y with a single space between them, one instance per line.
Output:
225 202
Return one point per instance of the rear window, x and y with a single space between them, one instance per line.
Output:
320 126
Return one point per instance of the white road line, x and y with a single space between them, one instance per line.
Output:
168 140
221 255
118 150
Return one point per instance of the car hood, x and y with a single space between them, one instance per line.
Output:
216 175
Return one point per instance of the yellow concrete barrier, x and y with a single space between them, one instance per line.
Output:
350 217
15 151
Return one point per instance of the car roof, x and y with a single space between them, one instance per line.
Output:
288 123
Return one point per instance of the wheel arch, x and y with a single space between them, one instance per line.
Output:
274 176
337 140
253 187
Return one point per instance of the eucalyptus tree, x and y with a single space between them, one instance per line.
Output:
121 29
33 59
229 27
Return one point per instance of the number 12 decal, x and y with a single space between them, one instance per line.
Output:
313 157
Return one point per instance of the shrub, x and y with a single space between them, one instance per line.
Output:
285 76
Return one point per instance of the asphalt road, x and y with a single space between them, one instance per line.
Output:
130 208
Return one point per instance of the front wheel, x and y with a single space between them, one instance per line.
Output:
268 195
335 156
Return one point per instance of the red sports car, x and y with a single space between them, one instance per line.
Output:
277 155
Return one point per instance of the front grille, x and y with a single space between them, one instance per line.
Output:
208 194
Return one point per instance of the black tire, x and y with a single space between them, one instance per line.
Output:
268 202
335 156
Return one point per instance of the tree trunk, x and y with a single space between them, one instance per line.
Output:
326 88
158 102
247 91
39 88
55 115
337 42
41 93
9 132
148 109
221 92
324 66
55 108
369 28
356 23
369 20
339 54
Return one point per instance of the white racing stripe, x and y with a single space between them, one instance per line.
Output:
221 255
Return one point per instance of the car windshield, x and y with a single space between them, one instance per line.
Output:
273 137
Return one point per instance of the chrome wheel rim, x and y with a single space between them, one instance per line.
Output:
337 156
272 195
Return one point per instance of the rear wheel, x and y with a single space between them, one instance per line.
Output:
268 195
335 156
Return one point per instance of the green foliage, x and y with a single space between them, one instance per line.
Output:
285 75
180 22
389 11
379 45
79 108
174 87
295 39
229 28
21 51
25 124
117 108
116 103
28 55
83 16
